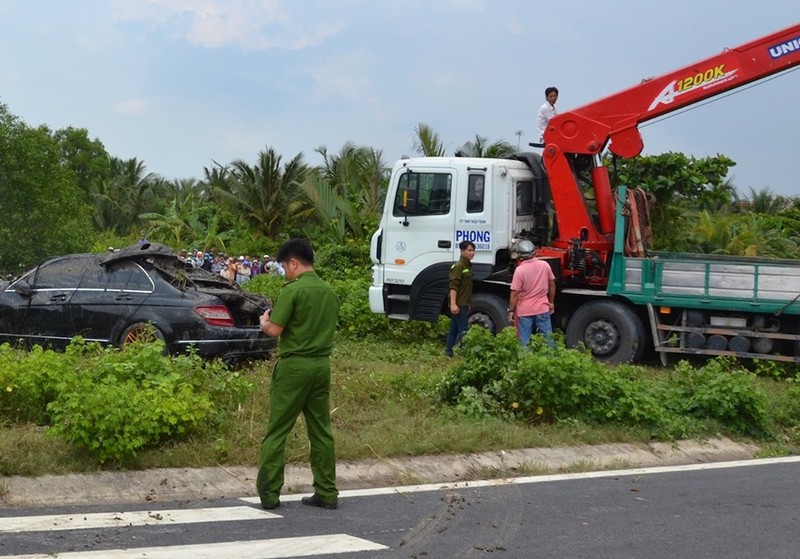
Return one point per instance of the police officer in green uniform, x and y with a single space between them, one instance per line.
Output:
304 317
460 295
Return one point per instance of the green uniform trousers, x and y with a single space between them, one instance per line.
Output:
299 384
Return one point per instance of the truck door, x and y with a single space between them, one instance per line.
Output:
473 218
419 229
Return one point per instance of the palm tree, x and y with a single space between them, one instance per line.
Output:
333 211
358 173
377 176
171 227
765 202
187 218
208 234
481 148
347 188
264 194
427 142
127 192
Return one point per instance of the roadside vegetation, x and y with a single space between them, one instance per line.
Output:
92 408
394 391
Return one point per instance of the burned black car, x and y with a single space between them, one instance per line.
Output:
144 290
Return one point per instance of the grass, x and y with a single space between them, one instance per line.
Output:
384 405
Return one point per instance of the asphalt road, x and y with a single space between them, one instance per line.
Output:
745 509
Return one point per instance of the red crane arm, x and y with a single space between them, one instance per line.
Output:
585 131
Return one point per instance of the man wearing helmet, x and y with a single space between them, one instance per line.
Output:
533 291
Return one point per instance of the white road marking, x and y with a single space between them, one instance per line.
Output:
77 521
549 478
258 549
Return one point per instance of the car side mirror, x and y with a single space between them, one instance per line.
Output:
23 288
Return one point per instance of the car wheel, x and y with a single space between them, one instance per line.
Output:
140 332
610 330
488 311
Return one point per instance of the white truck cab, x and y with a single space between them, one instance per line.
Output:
434 203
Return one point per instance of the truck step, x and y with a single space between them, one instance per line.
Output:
398 316
399 297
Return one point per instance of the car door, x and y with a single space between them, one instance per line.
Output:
108 298
13 304
41 299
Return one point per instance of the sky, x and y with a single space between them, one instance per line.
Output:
182 84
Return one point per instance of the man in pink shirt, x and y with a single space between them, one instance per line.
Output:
533 291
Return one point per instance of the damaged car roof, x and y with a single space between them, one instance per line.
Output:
141 250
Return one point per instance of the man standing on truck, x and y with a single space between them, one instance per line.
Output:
460 295
533 292
546 111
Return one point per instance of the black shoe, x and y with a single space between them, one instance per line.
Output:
271 506
314 501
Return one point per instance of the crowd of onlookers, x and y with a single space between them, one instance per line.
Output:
239 269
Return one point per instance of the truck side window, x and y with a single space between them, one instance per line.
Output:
475 193
524 194
423 194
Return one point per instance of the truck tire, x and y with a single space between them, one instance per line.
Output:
489 311
610 330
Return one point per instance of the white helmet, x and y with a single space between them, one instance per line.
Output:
525 249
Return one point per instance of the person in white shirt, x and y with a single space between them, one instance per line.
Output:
546 111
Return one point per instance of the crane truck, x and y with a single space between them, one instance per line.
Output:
615 295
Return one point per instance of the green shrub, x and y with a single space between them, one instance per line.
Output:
346 268
29 382
114 403
115 419
785 412
724 391
356 320
126 400
487 360
265 284
348 261
772 369
496 377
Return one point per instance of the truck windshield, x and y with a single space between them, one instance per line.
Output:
423 194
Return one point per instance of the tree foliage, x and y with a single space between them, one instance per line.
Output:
63 192
679 185
44 210
427 142
481 147
264 195
127 192
87 158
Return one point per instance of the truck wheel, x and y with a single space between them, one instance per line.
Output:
610 330
489 311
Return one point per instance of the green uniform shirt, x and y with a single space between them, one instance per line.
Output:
461 281
308 310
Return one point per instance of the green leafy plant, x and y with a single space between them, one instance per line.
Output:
724 391
114 403
487 359
496 377
29 382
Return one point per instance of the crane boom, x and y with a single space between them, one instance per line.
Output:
615 118
574 137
